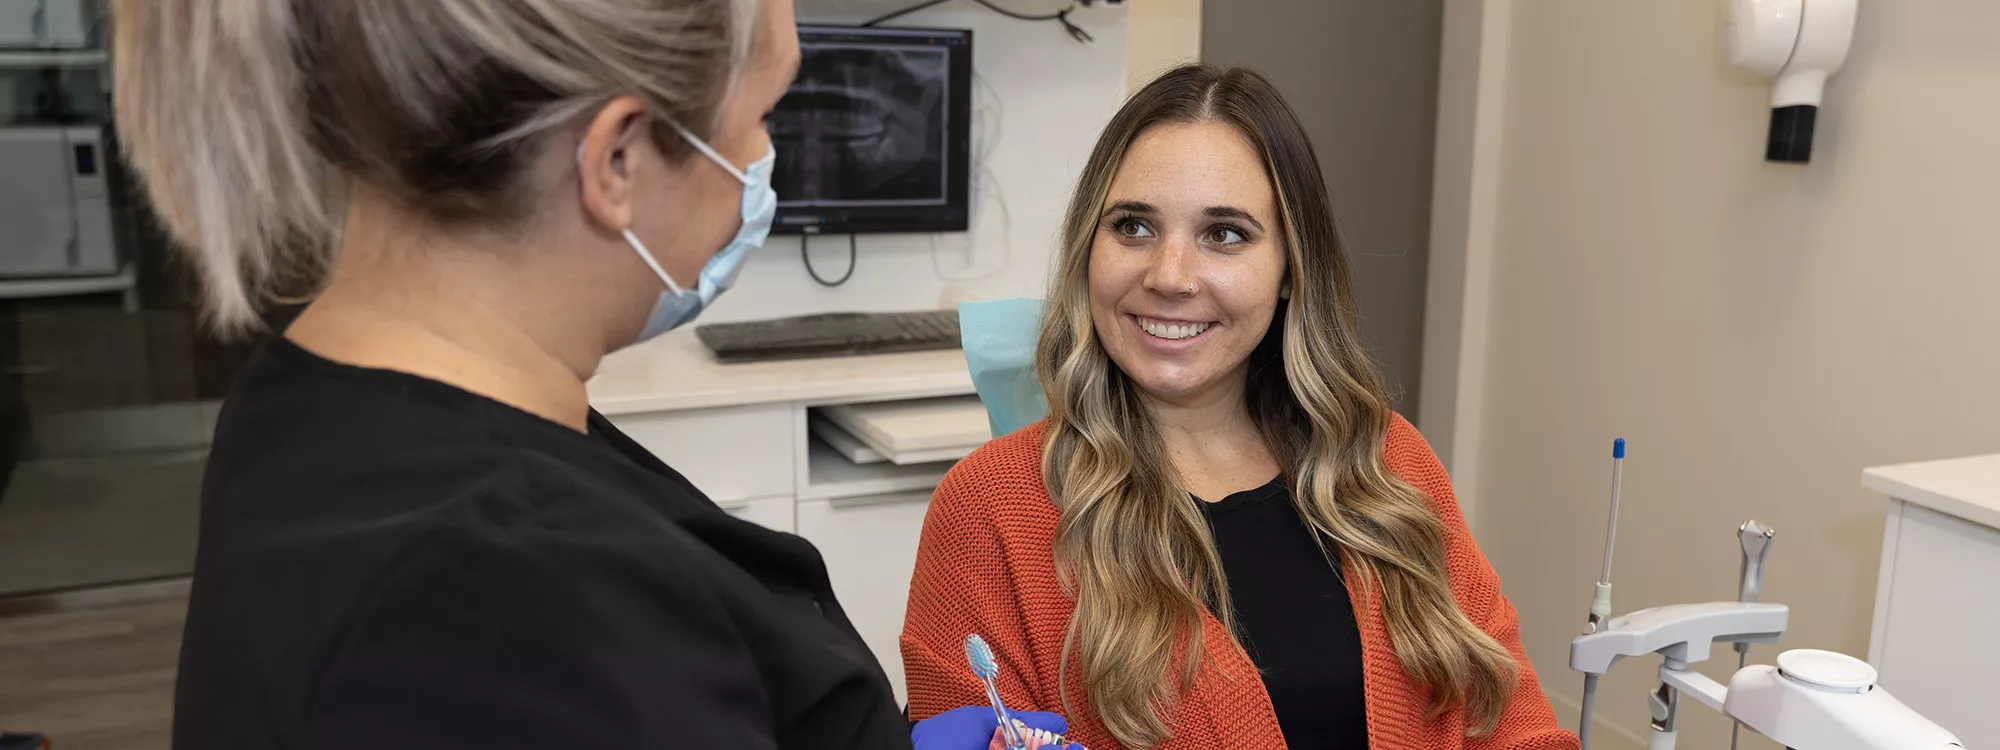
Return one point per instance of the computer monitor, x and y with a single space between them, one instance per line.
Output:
875 135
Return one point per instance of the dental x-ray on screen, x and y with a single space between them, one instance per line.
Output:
872 136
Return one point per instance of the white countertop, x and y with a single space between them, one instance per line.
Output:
675 372
1965 487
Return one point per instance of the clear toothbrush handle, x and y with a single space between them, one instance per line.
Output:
1008 733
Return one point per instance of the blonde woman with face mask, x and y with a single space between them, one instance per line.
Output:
1221 536
415 531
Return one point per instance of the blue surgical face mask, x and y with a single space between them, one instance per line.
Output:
677 306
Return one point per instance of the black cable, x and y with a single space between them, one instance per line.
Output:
904 12
852 255
1062 16
1024 16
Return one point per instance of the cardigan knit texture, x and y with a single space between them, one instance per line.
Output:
986 565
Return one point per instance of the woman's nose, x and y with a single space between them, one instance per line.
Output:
1173 269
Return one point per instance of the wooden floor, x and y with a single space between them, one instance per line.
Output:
94 679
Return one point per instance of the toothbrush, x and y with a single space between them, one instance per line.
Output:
979 656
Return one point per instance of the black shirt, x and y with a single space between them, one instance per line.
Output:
390 562
1294 617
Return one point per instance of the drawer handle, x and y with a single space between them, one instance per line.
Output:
867 500
732 504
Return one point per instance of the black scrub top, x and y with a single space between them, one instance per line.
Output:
390 562
1294 617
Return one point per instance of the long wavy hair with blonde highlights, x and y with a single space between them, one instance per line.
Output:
1134 548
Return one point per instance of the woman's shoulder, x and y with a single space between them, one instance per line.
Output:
1408 455
1001 478
1018 452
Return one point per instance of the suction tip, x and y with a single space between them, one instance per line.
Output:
1618 448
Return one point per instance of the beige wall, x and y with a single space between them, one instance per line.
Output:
1759 332
1159 35
1465 189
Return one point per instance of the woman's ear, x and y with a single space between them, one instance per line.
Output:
604 160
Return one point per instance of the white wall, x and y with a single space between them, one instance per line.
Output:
1760 332
1159 34
1040 100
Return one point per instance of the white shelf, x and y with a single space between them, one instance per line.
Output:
81 58
841 441
675 372
916 431
830 475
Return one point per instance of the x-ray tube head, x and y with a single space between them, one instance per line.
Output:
1802 44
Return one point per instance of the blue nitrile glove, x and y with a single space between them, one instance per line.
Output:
999 341
971 728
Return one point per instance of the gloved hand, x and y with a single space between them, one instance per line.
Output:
972 728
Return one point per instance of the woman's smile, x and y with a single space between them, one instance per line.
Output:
1164 328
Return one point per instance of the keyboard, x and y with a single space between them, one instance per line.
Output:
830 335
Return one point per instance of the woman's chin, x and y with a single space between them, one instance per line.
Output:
1178 378
1165 384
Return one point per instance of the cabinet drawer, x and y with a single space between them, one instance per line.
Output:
732 454
870 546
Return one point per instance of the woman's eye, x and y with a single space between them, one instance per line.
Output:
1225 236
1131 228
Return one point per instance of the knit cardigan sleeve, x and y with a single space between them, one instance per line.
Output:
965 583
1529 722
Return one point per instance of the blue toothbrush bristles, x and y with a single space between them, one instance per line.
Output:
979 656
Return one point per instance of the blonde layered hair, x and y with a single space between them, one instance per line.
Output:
245 119
1134 548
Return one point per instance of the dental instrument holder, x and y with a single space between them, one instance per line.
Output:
1812 700
1683 634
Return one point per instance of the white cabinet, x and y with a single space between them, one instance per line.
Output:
870 546
734 454
1936 609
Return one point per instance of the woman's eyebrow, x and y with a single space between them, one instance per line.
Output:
1132 207
1232 212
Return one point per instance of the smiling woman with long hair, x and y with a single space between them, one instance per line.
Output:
1222 535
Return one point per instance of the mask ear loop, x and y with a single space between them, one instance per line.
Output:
640 248
704 148
633 240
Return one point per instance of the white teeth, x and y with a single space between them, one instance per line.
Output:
1172 330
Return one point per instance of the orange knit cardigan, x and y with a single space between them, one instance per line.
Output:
985 566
